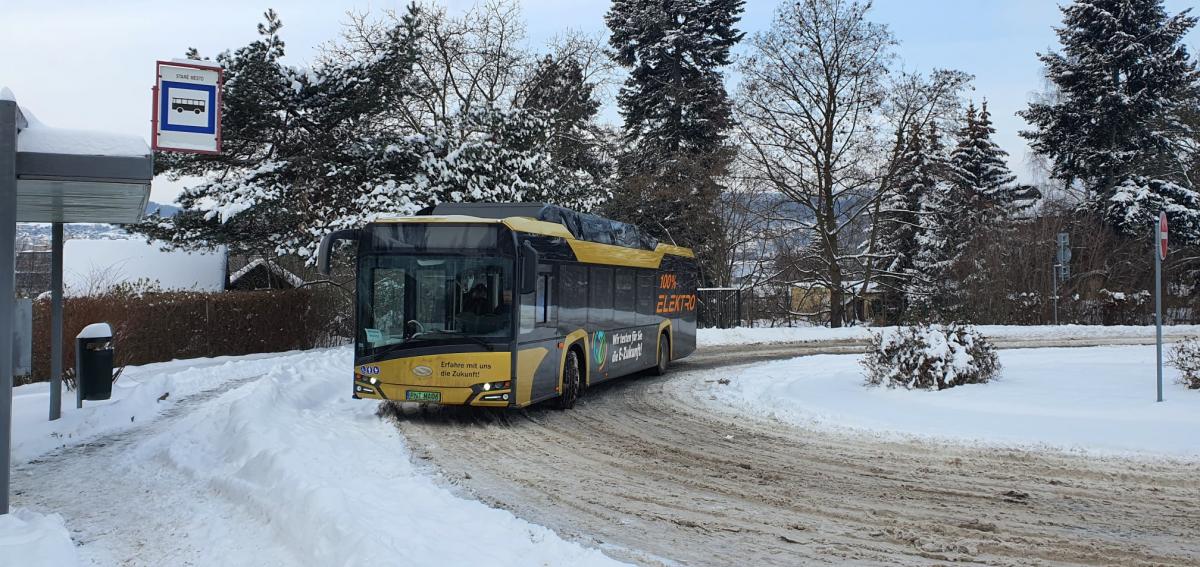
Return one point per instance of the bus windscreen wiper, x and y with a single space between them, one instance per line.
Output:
426 337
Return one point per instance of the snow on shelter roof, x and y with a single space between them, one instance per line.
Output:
72 175
37 137
46 140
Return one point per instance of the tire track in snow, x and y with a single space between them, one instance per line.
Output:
646 470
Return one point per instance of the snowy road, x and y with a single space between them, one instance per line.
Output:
646 471
264 460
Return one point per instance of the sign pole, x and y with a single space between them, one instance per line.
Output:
1158 316
1054 270
1160 253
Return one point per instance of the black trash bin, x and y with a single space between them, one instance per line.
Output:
94 362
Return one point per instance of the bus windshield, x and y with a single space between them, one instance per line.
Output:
415 299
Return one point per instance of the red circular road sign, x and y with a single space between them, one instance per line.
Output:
1162 235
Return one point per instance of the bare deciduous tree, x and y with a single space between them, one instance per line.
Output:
810 104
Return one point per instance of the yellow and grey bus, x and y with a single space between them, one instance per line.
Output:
511 304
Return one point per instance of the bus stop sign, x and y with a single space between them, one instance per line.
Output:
1162 235
187 107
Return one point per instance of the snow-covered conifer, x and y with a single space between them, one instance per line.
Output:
988 185
1116 85
676 112
939 243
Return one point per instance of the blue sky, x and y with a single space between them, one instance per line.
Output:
55 53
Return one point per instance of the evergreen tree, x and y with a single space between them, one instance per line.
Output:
988 185
579 149
1117 84
900 217
676 112
1136 203
310 151
296 145
932 292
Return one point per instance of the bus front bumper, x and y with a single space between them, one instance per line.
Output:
424 393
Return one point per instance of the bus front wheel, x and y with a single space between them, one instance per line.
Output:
664 355
571 382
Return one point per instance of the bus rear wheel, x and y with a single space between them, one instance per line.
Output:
572 380
664 355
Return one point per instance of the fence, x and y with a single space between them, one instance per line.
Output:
720 307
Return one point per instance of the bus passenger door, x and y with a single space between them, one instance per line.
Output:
538 354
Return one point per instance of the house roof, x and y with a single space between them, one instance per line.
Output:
279 271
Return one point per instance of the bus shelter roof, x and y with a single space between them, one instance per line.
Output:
66 175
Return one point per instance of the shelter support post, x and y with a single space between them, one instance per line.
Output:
8 269
56 320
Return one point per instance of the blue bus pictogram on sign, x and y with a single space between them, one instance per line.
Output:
180 101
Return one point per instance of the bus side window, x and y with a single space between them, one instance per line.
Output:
624 299
572 296
600 291
645 297
544 305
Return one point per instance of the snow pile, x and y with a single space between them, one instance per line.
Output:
335 483
275 440
770 335
29 539
931 357
135 401
1097 399
94 266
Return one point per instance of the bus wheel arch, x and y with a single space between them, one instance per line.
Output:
573 378
663 357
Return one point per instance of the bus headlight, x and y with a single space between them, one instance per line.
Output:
489 386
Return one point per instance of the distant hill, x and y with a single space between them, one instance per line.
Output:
163 210
37 235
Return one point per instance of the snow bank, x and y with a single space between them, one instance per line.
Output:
278 437
336 483
94 266
1098 399
767 335
135 401
30 539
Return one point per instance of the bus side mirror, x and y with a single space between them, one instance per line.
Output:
529 265
327 243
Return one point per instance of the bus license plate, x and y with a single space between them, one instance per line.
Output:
416 396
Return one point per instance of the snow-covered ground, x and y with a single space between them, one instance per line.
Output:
1097 400
30 539
766 335
274 462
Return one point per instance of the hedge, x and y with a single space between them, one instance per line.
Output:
161 326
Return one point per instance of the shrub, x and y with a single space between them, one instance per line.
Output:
931 357
1185 357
